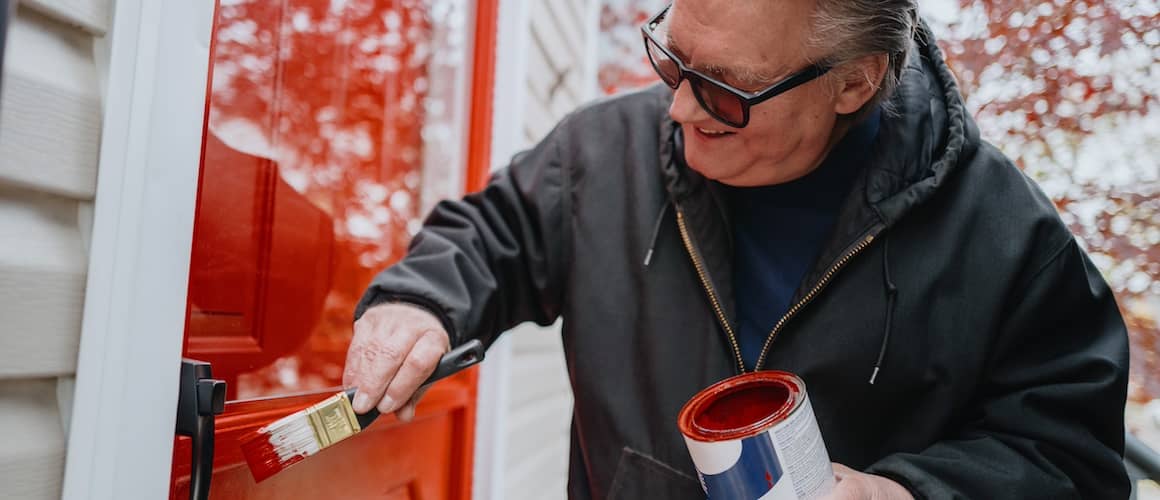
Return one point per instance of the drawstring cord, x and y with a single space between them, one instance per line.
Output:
656 232
891 292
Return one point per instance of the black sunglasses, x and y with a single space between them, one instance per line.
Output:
728 104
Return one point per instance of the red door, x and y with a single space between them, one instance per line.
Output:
331 125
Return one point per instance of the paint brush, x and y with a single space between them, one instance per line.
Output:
292 438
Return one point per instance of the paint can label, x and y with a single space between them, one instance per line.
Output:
781 456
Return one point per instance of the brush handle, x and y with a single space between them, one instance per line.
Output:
468 354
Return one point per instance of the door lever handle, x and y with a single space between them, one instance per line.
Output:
199 400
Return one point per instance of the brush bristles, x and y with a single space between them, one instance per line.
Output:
293 436
279 445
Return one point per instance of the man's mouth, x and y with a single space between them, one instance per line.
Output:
712 133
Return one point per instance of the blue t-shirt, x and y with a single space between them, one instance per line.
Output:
778 231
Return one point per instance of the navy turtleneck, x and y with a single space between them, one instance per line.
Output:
778 231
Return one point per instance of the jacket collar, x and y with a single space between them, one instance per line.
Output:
919 146
701 204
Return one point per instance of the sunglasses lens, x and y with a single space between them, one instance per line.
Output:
663 64
722 104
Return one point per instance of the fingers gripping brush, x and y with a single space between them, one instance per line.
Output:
294 437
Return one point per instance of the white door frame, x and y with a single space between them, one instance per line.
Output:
121 437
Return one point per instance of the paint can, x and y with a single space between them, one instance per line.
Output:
754 437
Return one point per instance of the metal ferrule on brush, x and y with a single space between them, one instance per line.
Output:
333 420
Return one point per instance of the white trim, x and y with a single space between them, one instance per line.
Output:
121 438
490 421
512 42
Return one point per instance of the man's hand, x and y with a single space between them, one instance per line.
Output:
854 485
394 349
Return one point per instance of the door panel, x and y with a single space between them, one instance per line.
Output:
331 127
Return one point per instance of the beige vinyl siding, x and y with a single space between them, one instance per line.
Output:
49 135
539 412
42 269
91 16
32 458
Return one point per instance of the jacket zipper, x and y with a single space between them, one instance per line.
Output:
696 257
809 297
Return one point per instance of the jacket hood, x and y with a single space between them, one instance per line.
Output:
926 137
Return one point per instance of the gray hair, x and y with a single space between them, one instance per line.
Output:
846 30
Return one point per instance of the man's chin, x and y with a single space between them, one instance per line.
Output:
708 174
727 179
724 176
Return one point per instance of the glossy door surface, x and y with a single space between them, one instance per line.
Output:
331 127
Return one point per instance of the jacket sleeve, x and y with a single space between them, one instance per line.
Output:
1050 411
493 259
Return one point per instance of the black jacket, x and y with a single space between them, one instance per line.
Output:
1001 356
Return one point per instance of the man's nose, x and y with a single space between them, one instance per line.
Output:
685 108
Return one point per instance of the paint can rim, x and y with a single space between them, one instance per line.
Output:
688 420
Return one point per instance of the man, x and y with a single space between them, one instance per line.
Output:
811 197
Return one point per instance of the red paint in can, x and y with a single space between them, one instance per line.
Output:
754 436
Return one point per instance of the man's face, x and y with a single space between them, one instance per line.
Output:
750 44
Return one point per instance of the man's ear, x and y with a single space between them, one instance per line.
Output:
858 81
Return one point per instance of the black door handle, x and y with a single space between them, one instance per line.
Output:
199 400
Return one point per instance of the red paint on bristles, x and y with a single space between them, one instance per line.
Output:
261 457
282 443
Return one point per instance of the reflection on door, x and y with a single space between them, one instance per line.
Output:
323 119
331 126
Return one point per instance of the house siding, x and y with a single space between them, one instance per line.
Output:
539 403
50 123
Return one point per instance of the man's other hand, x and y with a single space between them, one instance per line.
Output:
395 348
854 485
